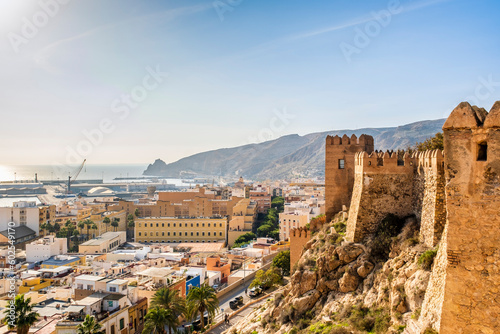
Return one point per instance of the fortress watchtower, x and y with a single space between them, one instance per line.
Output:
339 169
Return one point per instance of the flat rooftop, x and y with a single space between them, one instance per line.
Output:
102 239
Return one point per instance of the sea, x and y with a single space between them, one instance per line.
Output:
107 173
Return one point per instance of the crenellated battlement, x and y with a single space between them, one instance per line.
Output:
391 162
363 140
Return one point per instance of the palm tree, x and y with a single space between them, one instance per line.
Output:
94 227
81 226
23 318
156 320
170 300
88 223
75 235
106 222
202 299
89 326
115 223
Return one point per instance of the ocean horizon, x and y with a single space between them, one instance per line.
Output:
106 172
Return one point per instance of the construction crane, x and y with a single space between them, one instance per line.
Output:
75 175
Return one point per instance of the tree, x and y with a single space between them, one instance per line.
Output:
114 223
433 143
170 300
156 320
89 326
23 318
94 227
282 262
244 239
88 223
263 230
81 226
75 238
57 227
278 203
267 279
200 300
136 212
106 222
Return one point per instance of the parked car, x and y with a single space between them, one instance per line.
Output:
233 304
216 287
197 323
255 291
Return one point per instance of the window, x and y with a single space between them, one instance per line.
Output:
174 234
203 233
191 224
341 163
203 225
122 323
139 233
185 234
220 233
191 233
174 224
186 225
168 224
112 289
208 224
220 224
156 224
208 233
150 234
482 151
168 233
197 224
151 224
162 224
156 233
139 224
197 234
162 234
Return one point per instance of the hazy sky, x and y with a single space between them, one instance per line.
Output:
239 71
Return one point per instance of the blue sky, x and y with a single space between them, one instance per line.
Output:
235 67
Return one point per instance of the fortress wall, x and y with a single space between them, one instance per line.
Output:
299 237
400 184
382 187
472 289
429 187
339 181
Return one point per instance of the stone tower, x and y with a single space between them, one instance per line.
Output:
339 169
471 302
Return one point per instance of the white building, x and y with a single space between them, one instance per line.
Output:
45 248
105 243
22 213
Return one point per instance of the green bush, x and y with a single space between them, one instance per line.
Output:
370 320
427 259
430 330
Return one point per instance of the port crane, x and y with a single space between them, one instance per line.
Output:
75 175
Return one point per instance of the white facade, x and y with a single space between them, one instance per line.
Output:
43 249
21 213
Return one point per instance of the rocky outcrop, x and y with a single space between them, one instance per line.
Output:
333 279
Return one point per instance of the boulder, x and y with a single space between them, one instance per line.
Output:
348 253
307 281
365 269
306 302
348 283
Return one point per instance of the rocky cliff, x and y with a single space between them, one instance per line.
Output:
287 156
342 287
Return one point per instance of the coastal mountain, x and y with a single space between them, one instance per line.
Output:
288 156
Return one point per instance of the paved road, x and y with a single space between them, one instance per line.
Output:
237 317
